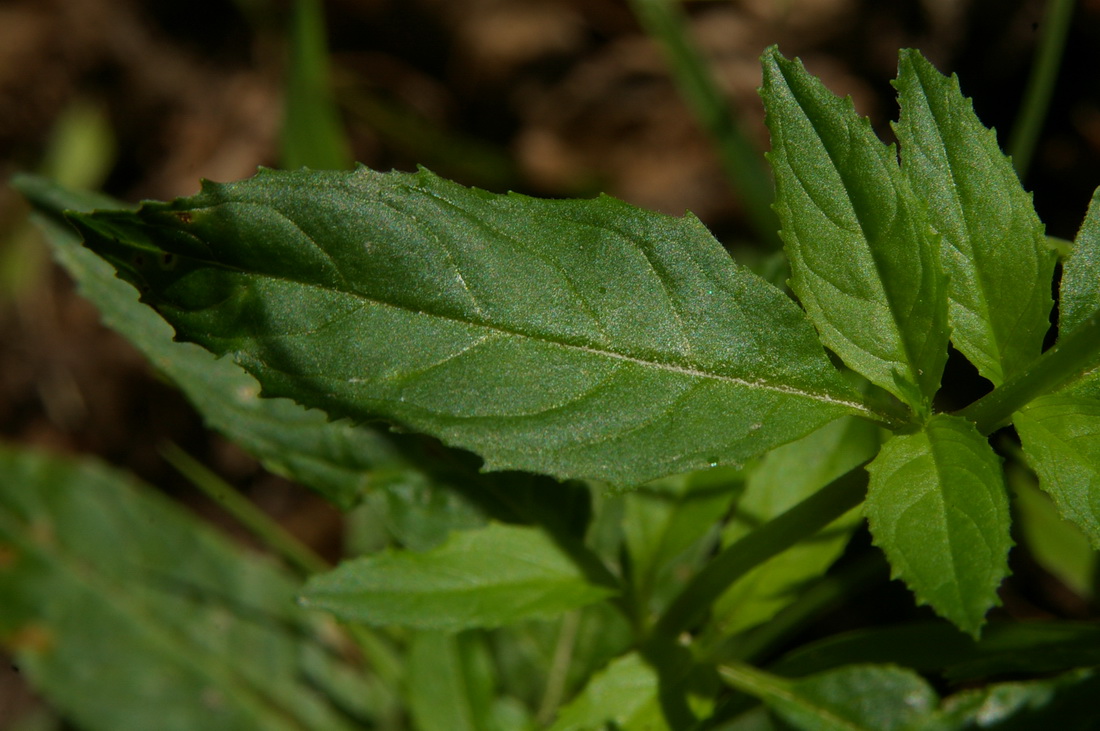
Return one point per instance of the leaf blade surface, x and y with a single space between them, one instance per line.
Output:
937 505
552 336
994 248
864 260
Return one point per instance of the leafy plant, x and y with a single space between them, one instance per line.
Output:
581 348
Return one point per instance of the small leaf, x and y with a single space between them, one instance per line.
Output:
572 338
1079 292
478 578
852 698
1061 441
937 505
128 613
623 694
994 247
865 262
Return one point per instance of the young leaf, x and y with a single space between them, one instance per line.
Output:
1061 440
128 613
574 338
478 578
450 682
852 698
1079 292
994 248
865 262
937 505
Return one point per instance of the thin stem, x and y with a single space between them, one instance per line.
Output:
1040 86
742 161
777 535
559 668
245 512
1071 357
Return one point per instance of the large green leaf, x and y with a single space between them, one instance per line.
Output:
1061 440
994 249
785 477
478 578
852 698
128 613
865 262
938 506
574 338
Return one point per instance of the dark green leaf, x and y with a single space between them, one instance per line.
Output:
852 698
478 578
574 338
334 458
1066 703
865 262
995 254
1061 440
937 505
127 613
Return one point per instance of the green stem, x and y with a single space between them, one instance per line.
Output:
245 512
1072 356
558 675
740 158
1040 86
770 539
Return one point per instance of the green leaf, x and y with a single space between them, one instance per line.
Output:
995 254
668 523
450 682
478 578
333 458
313 134
937 505
1061 440
128 613
572 338
785 477
1066 702
623 694
1079 291
852 698
865 262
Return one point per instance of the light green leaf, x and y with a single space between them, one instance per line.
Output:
1061 440
572 338
128 613
998 264
334 458
478 578
450 682
852 698
865 262
624 693
785 477
937 505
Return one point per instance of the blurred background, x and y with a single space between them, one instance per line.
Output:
142 98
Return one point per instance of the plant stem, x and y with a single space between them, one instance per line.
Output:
770 539
742 161
1040 86
559 668
1071 357
245 512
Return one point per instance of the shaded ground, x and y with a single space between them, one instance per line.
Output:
550 97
